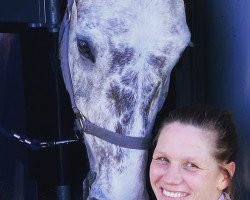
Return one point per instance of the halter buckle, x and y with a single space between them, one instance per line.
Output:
79 120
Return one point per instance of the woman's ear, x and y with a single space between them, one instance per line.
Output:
227 174
230 168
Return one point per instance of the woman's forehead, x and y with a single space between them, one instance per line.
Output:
185 140
182 131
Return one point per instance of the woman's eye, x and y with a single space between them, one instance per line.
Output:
85 50
162 159
191 166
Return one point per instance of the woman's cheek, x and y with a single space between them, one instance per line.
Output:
156 172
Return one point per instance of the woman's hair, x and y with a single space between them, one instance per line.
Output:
215 120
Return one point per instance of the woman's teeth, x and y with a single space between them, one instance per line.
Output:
174 194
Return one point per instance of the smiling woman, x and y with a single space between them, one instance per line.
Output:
194 156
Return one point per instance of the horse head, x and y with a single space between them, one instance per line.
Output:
120 55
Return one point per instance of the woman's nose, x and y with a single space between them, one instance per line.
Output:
172 175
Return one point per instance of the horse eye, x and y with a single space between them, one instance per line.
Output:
85 50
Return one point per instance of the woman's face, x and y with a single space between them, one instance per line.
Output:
183 167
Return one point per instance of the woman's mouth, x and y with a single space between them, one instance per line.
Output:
174 194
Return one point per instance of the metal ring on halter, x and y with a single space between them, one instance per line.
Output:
80 118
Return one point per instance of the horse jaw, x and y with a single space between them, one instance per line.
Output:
136 44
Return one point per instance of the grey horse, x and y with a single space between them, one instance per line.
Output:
120 55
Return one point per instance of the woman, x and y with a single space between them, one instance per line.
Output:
194 157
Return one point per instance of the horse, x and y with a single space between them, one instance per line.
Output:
116 59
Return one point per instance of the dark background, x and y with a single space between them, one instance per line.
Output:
33 99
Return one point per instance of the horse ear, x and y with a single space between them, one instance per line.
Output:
227 173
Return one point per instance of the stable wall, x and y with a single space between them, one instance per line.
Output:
227 70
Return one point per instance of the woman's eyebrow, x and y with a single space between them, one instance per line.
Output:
192 158
195 159
160 152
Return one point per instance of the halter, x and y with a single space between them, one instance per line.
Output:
84 125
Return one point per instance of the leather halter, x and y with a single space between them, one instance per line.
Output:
84 125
